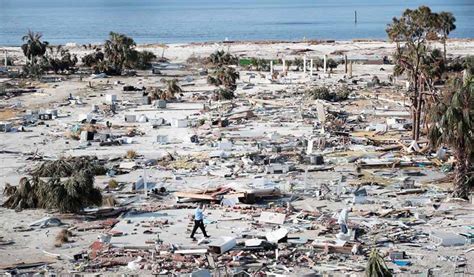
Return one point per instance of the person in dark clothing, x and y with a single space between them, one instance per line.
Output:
198 221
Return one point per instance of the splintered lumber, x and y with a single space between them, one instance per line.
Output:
191 251
225 192
192 195
411 191
25 265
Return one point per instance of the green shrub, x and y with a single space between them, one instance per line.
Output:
324 93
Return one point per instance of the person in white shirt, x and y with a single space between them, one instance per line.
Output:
199 221
342 219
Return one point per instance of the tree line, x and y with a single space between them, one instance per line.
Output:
117 54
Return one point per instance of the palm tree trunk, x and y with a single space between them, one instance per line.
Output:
418 117
413 117
444 46
414 107
461 184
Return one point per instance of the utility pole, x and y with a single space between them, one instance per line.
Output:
355 17
304 64
350 69
145 185
325 62
345 64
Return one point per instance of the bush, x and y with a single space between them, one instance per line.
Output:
469 64
62 237
131 154
223 94
144 60
260 64
324 93
93 59
10 61
331 64
59 59
342 94
112 184
33 70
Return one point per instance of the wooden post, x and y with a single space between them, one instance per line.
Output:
145 185
284 65
325 63
6 58
345 64
350 69
271 67
304 64
311 68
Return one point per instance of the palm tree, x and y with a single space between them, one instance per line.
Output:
220 58
260 64
452 125
299 63
171 89
224 76
60 59
93 58
288 64
318 62
331 64
119 51
144 60
445 23
468 64
33 46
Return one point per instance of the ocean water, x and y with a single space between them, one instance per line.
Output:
171 21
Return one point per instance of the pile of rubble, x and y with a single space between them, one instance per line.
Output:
274 167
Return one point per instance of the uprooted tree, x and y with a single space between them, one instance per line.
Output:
66 195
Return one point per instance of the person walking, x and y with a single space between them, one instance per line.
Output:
198 221
342 219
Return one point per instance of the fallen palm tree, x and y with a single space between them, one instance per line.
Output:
70 195
65 167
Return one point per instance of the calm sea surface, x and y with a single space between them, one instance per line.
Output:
89 21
